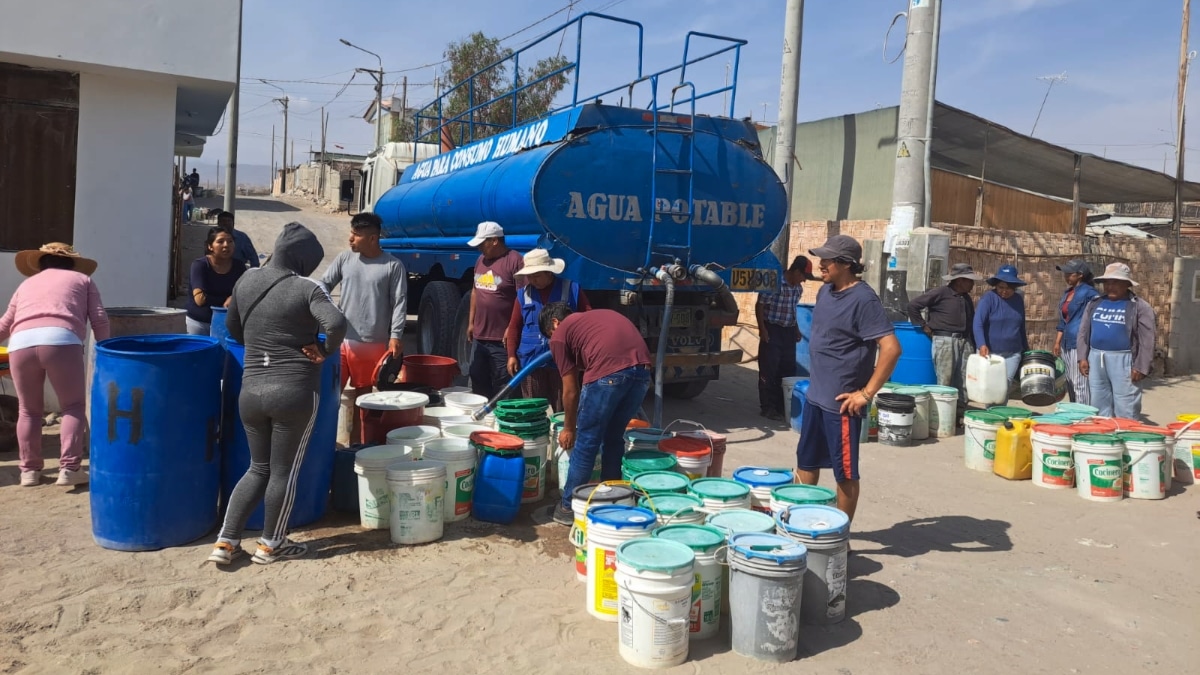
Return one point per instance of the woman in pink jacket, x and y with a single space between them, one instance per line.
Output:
45 325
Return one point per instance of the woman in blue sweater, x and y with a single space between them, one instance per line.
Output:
1000 321
1079 278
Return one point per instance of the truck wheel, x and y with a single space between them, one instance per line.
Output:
685 390
462 348
435 318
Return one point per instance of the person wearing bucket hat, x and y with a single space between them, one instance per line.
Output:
1115 346
46 325
495 290
950 313
778 333
1079 292
523 339
853 350
999 324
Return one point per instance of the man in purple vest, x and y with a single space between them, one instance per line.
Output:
523 339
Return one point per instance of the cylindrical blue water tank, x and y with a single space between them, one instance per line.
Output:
804 323
316 472
155 453
216 328
916 358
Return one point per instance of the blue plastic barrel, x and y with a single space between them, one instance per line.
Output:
804 323
499 483
316 471
345 481
916 358
155 452
216 328
799 398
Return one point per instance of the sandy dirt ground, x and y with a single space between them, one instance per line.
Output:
954 572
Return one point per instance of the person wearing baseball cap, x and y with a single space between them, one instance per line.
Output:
945 314
999 324
495 291
849 330
1079 292
524 339
1115 346
778 334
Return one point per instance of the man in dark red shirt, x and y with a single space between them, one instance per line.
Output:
496 286
605 368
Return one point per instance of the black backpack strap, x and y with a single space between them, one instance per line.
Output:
246 314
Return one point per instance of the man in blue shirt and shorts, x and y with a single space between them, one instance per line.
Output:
849 326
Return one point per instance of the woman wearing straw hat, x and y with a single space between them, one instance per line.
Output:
1079 277
1116 344
999 324
523 339
45 325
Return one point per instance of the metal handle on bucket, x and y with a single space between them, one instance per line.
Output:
673 623
712 447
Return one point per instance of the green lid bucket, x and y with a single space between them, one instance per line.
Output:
1142 437
526 430
647 554
804 494
658 482
915 392
1104 440
523 404
1068 407
671 504
640 461
719 489
699 538
985 417
1011 412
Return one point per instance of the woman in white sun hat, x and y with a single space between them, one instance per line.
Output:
1116 344
46 325
523 339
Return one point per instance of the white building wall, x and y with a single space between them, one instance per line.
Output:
122 189
173 37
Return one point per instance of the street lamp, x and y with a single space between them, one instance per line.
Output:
378 75
284 102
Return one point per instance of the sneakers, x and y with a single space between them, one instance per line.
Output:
224 553
72 477
31 478
563 516
265 555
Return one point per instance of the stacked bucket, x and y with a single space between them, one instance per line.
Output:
526 418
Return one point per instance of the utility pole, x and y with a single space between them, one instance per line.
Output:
1185 58
785 131
908 188
272 157
321 181
378 75
404 103
283 102
234 111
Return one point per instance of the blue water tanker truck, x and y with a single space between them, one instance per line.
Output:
659 212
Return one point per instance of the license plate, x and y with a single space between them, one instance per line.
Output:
681 318
752 279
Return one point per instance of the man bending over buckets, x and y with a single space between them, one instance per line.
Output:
605 368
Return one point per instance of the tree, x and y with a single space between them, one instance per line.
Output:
482 57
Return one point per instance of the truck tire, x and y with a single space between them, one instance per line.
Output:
461 347
435 318
685 390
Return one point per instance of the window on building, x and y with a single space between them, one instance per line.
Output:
39 132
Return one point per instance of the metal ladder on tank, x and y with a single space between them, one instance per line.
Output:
672 251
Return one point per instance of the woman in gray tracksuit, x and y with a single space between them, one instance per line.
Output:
277 313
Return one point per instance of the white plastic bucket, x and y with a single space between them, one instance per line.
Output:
588 497
1187 454
789 383
720 494
607 528
465 401
694 468
1146 463
654 589
432 417
825 532
762 480
1098 472
1053 462
979 440
921 414
535 453
705 542
463 431
564 467
454 390
459 458
374 499
415 436
943 411
417 492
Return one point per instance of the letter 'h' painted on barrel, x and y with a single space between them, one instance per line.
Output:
134 414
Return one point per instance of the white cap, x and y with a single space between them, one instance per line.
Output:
486 230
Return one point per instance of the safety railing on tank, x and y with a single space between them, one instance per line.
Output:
441 127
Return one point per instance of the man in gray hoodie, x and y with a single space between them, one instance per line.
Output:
277 314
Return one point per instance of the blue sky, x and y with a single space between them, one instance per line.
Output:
1120 58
